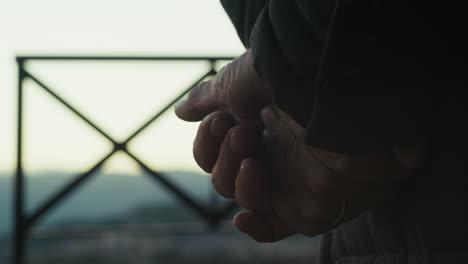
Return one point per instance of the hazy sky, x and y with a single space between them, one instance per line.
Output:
119 96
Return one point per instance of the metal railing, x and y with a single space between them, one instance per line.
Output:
23 222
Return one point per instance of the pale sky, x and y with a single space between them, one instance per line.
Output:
119 96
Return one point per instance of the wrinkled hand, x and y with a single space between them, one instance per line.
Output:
236 89
229 106
294 188
306 190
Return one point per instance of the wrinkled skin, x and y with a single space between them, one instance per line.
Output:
256 155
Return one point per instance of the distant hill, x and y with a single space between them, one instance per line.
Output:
104 198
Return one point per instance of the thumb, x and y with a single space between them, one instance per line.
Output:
318 172
282 131
284 145
236 88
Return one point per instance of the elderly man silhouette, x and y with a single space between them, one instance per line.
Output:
329 124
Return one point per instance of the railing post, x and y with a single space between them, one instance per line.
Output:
18 214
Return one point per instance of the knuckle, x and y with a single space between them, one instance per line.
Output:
208 118
223 80
204 125
220 123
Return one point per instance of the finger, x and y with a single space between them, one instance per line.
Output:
290 214
246 138
283 137
253 186
297 205
247 93
204 98
209 138
262 227
236 88
321 214
284 140
310 208
278 121
240 142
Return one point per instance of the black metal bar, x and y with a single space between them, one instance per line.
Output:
22 223
159 177
162 111
212 65
128 58
71 108
19 231
71 186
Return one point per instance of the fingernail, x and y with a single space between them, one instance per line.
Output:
238 223
270 117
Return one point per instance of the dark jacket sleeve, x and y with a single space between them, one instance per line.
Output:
287 39
363 87
244 14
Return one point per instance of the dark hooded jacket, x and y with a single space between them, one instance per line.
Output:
365 76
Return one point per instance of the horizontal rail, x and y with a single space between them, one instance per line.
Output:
126 58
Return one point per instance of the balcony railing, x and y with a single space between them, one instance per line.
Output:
24 222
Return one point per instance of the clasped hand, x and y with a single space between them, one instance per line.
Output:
256 155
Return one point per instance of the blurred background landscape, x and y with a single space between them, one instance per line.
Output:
120 215
128 219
